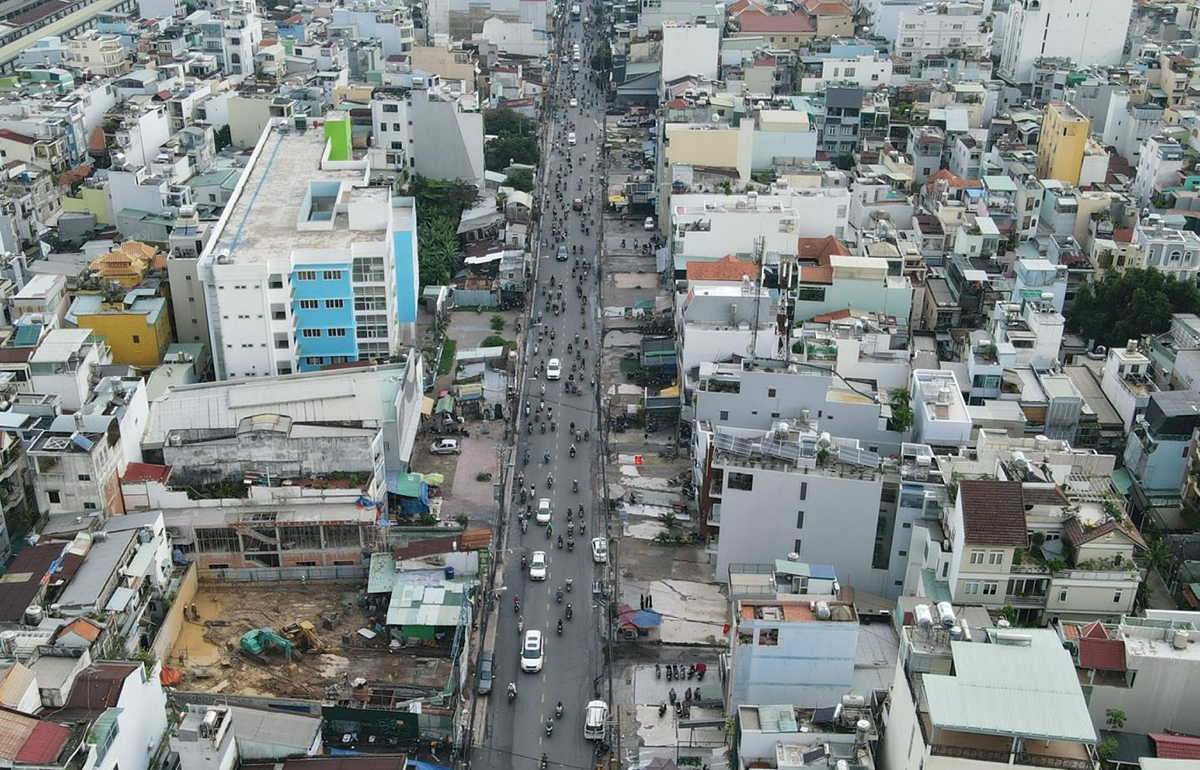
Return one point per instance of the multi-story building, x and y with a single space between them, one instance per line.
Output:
839 135
426 130
1063 141
78 460
940 416
67 363
1127 382
136 326
233 38
1158 166
934 30
786 736
1004 543
796 649
97 54
1037 28
1147 668
1005 698
839 510
1168 250
309 265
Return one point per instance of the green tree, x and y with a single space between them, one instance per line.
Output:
902 413
602 58
1107 748
1125 306
522 180
1114 718
502 151
508 123
1159 557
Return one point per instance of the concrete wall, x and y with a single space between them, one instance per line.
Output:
168 632
272 453
447 143
840 518
1163 695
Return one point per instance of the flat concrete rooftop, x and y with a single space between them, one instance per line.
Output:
263 216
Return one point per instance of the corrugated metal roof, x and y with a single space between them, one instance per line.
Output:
1003 689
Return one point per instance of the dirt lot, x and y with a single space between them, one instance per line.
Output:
209 655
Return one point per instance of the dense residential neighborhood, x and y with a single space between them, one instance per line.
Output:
638 385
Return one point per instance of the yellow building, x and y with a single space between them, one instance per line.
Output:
136 328
1062 142
127 264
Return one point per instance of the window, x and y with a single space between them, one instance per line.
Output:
335 332
803 490
799 519
310 333
1062 594
971 588
335 304
797 545
275 282
54 496
977 557
990 587
85 477
397 127
391 108
332 275
309 304
768 637
741 481
770 392
724 415
995 557
306 275
1116 597
137 340
89 506
811 294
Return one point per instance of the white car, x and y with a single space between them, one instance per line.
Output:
599 550
444 446
544 514
554 369
574 102
532 654
648 224
537 566
574 67
571 138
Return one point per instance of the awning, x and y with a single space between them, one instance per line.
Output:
408 485
629 617
427 404
445 405
618 200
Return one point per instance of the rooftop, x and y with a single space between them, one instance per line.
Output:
276 197
993 513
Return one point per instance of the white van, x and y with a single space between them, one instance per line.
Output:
594 718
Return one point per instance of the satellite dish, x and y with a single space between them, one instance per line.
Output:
716 117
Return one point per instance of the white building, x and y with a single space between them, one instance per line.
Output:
717 322
690 50
865 71
1087 32
63 364
1127 382
233 38
390 24
935 29
309 265
1148 668
794 491
940 415
707 225
1158 165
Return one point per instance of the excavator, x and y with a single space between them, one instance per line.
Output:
304 636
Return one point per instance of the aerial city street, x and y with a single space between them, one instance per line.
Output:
582 385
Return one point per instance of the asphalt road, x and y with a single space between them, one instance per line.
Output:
515 736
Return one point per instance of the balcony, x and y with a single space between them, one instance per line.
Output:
969 752
714 516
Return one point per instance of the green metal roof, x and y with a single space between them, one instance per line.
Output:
434 606
1012 690
935 589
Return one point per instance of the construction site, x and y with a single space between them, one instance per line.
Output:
310 641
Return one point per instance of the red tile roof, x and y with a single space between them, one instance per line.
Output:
146 472
1123 234
678 104
1102 654
993 513
1175 746
955 181
727 268
816 274
757 21
1094 630
44 744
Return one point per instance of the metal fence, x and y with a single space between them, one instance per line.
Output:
341 574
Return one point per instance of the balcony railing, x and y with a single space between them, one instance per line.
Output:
969 752
1029 569
1031 600
1042 760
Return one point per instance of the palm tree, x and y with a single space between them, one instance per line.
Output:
669 520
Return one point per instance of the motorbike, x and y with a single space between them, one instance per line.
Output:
575 486
524 526
570 612
516 604
662 709
549 727
558 595
657 673
570 544
560 626
558 710
560 541
512 692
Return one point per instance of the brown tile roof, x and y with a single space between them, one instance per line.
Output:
993 513
146 472
955 181
1034 494
6 133
1076 535
816 274
1102 654
826 8
21 583
727 268
82 627
757 21
820 249
835 315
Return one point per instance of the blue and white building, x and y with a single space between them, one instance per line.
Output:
309 265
